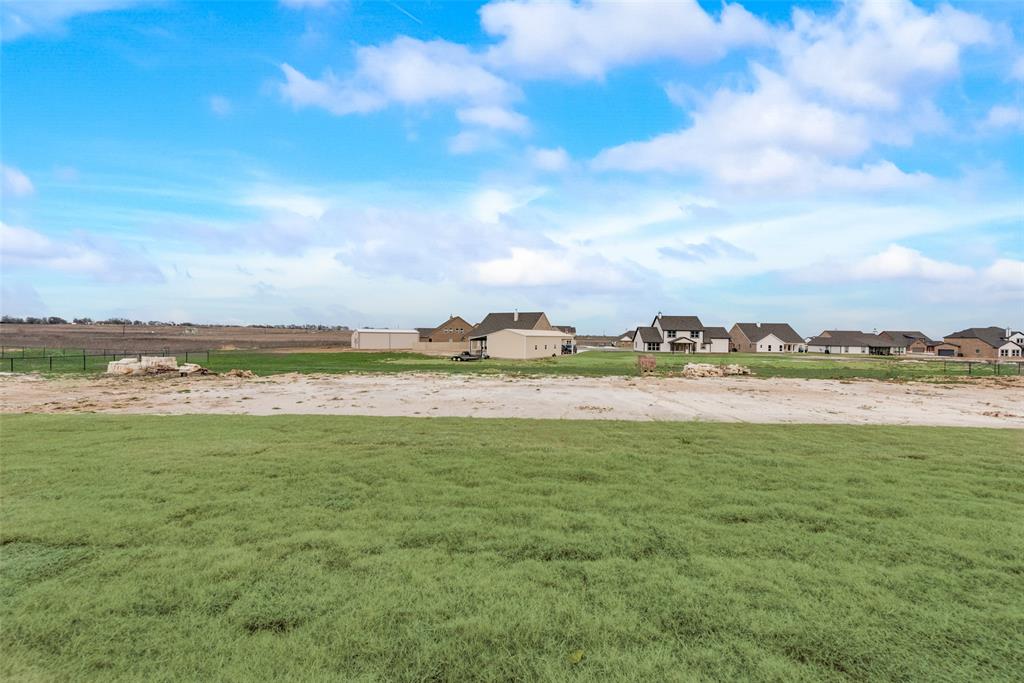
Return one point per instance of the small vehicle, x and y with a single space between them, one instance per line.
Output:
466 356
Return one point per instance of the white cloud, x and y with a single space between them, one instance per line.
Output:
869 54
15 183
1006 273
772 137
405 71
586 39
221 106
498 118
472 141
304 205
539 268
1003 116
898 262
109 261
555 159
20 18
490 205
1017 70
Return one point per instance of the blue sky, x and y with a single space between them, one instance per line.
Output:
849 165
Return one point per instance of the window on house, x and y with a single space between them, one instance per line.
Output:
769 347
671 333
653 346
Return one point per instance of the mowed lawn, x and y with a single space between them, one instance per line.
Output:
308 548
588 364
603 363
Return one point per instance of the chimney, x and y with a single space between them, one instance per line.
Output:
1008 332
515 316
659 315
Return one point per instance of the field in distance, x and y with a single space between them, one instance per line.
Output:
312 548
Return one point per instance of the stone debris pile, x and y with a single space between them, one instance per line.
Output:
154 365
711 370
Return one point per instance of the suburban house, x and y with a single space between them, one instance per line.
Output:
680 334
625 340
377 339
853 341
765 338
914 341
495 322
454 329
522 344
987 342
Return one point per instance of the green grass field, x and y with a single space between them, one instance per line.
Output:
338 548
592 364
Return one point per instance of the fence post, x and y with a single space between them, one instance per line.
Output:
186 356
208 360
969 366
83 359
12 363
51 362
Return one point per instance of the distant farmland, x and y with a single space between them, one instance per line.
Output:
174 337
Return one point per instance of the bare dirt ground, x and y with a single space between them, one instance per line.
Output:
983 403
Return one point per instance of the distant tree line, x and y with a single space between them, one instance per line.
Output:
55 320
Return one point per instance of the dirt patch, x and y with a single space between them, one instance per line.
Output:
733 399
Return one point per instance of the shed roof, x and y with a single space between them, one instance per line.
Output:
538 333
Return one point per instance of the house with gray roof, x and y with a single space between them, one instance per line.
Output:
914 341
765 338
853 342
988 342
680 334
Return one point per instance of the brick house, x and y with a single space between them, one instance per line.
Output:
915 341
454 329
988 343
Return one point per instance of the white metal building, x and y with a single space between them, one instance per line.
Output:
370 339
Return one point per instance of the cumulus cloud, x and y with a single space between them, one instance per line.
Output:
898 262
405 71
586 39
1002 117
105 261
20 18
554 159
771 136
524 267
498 118
15 183
870 53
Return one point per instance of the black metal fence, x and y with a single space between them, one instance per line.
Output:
63 360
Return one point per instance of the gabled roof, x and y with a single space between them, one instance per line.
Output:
907 336
755 332
649 334
628 334
679 322
538 333
565 328
716 333
993 336
850 338
505 321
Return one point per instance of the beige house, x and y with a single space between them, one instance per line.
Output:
853 342
679 334
524 344
373 339
494 322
